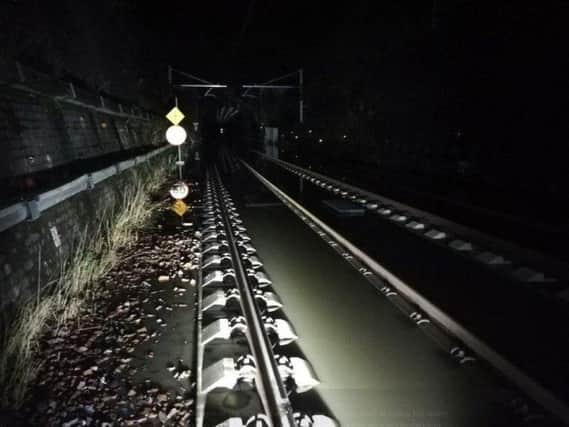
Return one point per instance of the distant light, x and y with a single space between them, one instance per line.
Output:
176 135
296 137
320 140
221 131
345 136
310 131
179 190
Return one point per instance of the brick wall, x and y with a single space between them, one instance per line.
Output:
50 131
79 127
38 132
32 253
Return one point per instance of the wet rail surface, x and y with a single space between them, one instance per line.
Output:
514 318
376 368
250 370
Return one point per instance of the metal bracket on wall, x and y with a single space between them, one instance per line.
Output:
33 210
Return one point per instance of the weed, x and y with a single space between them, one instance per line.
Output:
62 300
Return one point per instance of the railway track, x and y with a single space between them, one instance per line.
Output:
457 341
250 370
251 367
541 273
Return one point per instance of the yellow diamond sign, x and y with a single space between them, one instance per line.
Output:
175 116
179 207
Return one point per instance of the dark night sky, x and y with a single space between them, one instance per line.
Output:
258 39
418 71
240 40
247 37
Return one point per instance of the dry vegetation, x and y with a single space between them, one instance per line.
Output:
94 255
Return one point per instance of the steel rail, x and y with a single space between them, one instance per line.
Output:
269 383
418 212
528 385
553 269
538 226
200 397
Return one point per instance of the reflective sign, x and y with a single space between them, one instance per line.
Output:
175 116
176 135
179 207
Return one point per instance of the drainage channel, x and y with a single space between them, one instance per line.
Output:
475 357
250 370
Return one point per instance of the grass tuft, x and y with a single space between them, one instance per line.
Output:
62 300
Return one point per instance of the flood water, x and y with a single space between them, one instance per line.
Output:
376 367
